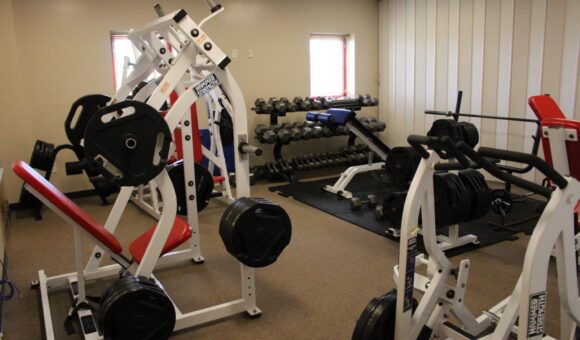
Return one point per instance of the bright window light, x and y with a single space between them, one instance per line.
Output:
121 47
328 65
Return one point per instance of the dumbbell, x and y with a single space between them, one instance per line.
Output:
283 136
259 130
380 126
280 107
304 162
317 131
340 130
357 203
259 105
299 102
295 134
365 100
307 132
269 137
316 105
315 163
275 128
327 131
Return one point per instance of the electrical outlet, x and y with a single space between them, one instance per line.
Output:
250 53
234 53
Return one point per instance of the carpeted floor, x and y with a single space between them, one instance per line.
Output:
316 290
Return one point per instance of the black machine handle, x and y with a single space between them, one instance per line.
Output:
439 144
479 158
529 159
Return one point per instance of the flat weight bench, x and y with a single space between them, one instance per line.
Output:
348 118
63 206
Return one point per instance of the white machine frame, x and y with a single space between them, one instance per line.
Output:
526 304
189 53
144 196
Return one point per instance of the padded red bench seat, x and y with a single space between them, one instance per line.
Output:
218 179
64 204
549 114
180 233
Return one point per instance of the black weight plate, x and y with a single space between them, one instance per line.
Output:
123 148
463 199
255 231
203 185
452 200
90 105
136 308
377 321
481 195
401 164
470 133
36 154
393 205
226 128
446 127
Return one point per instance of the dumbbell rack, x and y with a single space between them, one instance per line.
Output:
280 107
284 170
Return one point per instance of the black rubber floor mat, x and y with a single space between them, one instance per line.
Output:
377 183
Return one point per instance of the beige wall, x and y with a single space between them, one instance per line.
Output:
16 129
59 50
499 52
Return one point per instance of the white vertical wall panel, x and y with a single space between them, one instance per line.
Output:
436 47
570 58
478 57
392 79
410 69
453 64
465 52
400 72
383 64
535 63
490 70
430 60
420 64
442 54
506 35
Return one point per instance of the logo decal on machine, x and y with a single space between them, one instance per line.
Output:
205 86
410 273
536 314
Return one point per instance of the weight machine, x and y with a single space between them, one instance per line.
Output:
192 51
219 111
523 312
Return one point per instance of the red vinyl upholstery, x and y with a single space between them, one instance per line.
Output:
66 206
549 114
180 233
545 107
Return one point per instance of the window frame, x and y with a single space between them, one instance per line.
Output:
344 38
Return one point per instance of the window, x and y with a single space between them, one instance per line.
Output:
121 47
330 65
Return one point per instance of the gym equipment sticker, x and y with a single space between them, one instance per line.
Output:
537 314
205 86
410 273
